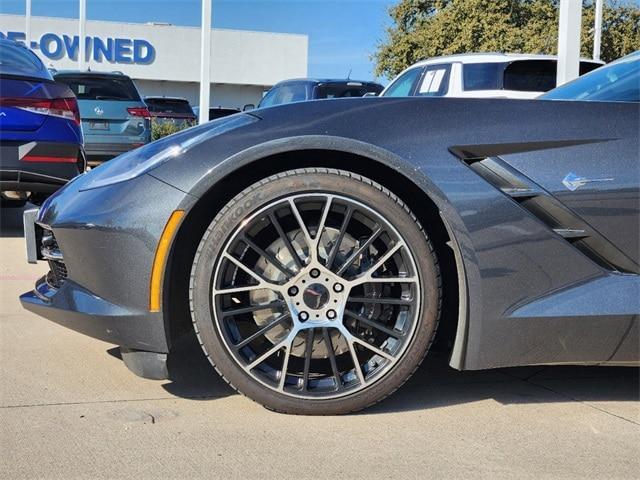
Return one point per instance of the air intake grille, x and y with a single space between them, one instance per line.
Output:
553 213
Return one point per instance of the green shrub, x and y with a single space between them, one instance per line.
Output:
163 129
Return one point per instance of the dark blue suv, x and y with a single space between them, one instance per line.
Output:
41 144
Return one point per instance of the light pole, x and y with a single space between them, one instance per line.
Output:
82 20
27 28
205 62
597 30
569 40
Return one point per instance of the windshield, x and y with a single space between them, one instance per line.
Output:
617 82
93 87
403 85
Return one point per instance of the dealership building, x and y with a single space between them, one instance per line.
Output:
164 59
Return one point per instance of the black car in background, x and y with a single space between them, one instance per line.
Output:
171 109
217 112
300 90
40 135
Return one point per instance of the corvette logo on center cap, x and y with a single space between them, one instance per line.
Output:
574 182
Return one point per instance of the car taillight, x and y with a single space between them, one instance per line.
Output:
139 112
67 108
57 107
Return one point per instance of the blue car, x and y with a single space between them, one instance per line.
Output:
41 143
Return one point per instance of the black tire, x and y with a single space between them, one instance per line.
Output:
312 180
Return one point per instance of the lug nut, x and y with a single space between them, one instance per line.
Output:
303 316
315 273
331 314
293 291
338 287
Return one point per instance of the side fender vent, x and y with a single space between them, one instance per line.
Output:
553 213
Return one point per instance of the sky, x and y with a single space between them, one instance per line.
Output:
343 34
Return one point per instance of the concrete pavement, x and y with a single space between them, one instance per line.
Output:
70 409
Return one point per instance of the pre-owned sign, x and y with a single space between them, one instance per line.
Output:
112 50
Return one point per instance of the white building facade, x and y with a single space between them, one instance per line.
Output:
165 59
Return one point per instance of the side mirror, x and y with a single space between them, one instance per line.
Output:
370 94
248 106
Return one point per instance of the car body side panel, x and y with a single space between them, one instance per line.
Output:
511 258
599 181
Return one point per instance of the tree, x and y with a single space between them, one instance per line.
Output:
428 28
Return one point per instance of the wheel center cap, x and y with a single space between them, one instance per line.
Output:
315 296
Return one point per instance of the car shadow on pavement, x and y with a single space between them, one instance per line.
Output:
436 385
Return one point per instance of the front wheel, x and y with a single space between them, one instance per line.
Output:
315 291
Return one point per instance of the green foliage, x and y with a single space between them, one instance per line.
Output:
163 129
429 28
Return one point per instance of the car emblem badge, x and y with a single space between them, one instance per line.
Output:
2 114
574 182
98 111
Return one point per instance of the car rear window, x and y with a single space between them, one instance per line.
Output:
292 92
343 90
519 75
91 87
17 60
169 106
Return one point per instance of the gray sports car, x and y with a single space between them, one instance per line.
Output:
317 248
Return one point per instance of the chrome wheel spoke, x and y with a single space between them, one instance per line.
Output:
368 275
269 257
285 239
303 228
262 282
373 348
278 346
352 258
374 324
332 358
285 367
307 358
382 301
252 308
262 331
356 361
343 229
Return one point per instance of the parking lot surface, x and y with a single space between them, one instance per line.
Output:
69 408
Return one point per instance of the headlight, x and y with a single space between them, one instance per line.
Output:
136 162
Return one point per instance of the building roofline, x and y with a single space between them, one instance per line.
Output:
161 25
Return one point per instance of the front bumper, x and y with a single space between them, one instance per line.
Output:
106 240
77 308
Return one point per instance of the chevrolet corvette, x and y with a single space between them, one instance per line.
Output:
317 248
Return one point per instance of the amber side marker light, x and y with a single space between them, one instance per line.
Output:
160 260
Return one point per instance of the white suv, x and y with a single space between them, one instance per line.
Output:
482 75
